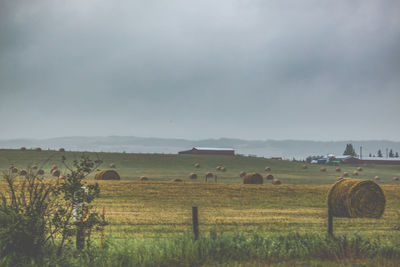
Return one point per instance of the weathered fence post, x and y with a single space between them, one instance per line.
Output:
195 223
330 221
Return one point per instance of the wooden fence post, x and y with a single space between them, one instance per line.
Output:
195 223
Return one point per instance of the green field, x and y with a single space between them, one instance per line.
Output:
160 208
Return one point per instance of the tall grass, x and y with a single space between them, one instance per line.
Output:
219 249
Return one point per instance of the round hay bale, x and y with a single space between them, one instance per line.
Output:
38 149
197 165
54 167
22 148
112 165
192 175
143 178
377 178
276 182
269 177
323 169
62 177
352 198
267 169
40 172
14 170
395 179
218 168
242 174
34 167
222 169
345 174
355 173
304 167
10 167
338 169
253 178
107 175
61 149
177 180
209 175
23 172
55 172
359 169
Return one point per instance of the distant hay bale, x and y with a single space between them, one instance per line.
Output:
338 169
218 168
395 179
355 173
304 167
23 172
192 175
222 169
55 172
209 175
40 172
112 165
253 178
143 178
38 149
352 198
107 175
269 177
345 174
242 174
14 170
54 167
10 167
359 169
22 148
323 169
377 178
177 180
197 165
267 169
276 182
34 167
61 149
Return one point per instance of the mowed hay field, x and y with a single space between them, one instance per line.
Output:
161 208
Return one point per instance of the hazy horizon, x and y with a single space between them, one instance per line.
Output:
243 69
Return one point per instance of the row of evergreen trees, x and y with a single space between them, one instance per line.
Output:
351 152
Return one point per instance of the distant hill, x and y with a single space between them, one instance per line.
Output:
269 148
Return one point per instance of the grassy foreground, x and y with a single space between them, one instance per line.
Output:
241 225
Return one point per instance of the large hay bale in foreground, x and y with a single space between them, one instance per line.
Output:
276 182
242 174
253 178
192 175
353 198
107 175
267 169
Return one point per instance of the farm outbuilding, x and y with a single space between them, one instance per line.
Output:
209 151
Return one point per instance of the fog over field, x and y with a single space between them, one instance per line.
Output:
243 69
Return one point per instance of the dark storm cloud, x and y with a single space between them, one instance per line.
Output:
247 69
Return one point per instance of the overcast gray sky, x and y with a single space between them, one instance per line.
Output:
250 69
